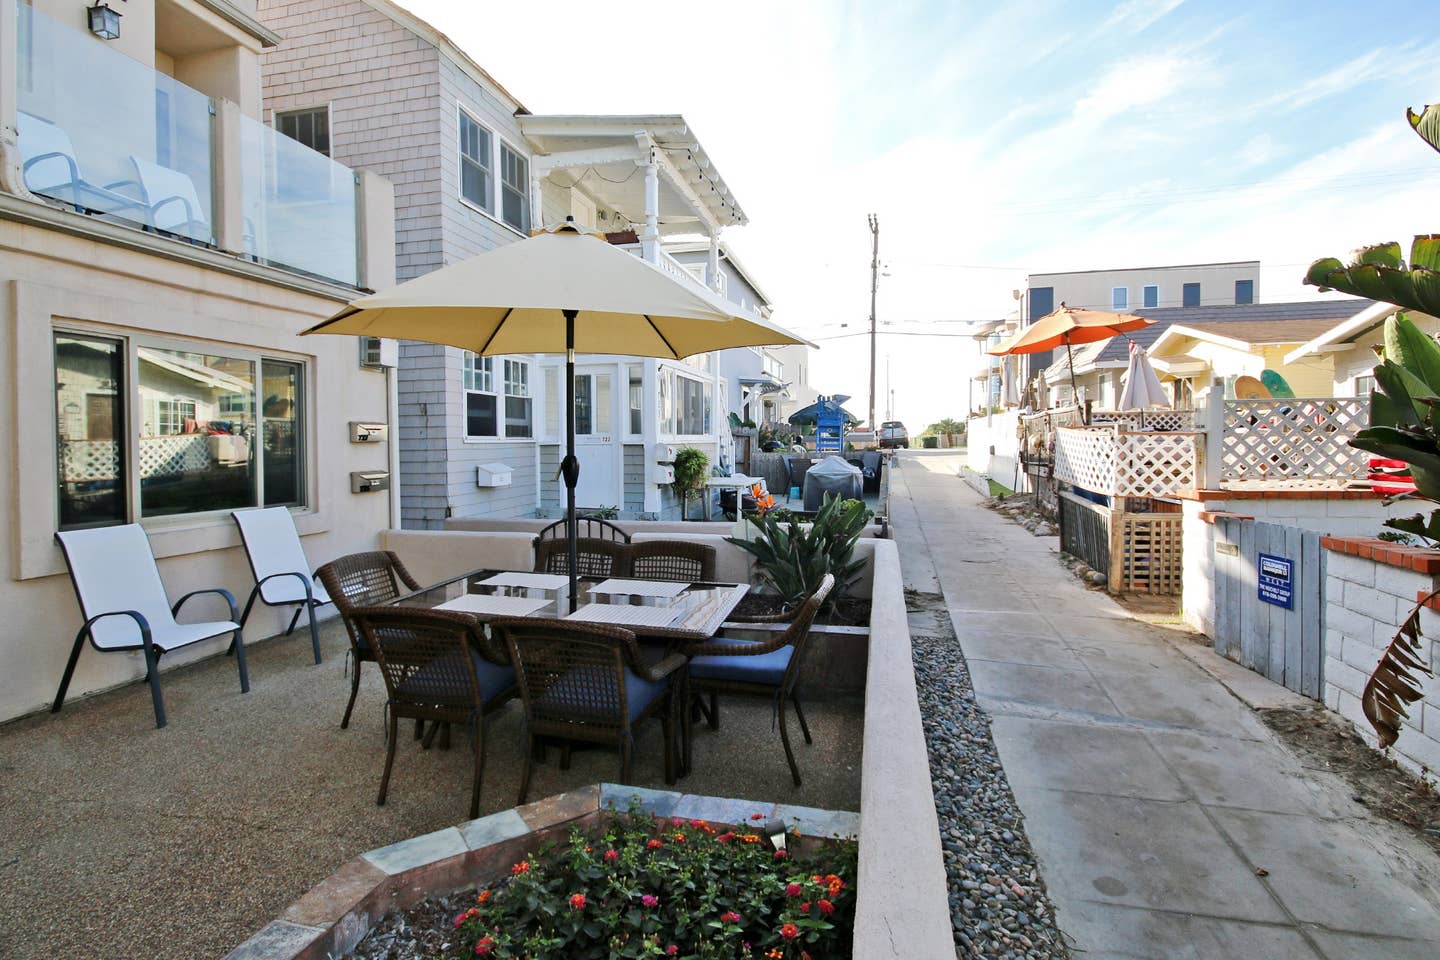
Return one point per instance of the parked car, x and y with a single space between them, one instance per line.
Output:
893 434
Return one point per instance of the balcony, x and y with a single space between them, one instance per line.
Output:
107 136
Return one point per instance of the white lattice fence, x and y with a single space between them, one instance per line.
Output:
1170 421
83 461
1294 440
1086 458
1156 464
162 456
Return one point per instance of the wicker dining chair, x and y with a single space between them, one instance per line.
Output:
766 668
440 667
587 682
594 557
680 560
363 580
585 527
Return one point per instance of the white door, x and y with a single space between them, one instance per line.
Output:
597 444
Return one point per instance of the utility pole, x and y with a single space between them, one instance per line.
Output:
874 222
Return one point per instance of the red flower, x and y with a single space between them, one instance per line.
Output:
522 867
482 947
793 889
789 931
611 856
679 838
697 824
654 845
757 816
725 838
577 901
730 916
826 907
805 907
650 900
780 854
671 950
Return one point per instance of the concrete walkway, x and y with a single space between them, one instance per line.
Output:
1167 819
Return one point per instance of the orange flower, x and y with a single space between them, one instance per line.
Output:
679 838
789 931
826 907
653 845
484 896
577 901
775 953
522 867
750 837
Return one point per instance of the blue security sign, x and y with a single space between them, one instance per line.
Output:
1277 581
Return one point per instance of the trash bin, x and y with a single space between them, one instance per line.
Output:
833 476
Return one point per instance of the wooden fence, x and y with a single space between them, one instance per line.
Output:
1284 645
1085 530
1137 552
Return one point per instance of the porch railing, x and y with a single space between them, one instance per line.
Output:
1116 463
1294 441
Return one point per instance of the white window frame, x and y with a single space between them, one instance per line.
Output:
523 190
479 376
1150 286
494 196
677 416
133 419
517 387
1119 298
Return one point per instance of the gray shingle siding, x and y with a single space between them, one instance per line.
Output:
634 495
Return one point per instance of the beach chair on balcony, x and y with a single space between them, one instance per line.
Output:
125 607
282 574
172 201
52 169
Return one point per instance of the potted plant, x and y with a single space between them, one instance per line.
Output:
691 466
792 558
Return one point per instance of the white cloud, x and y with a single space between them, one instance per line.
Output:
1136 15
1129 84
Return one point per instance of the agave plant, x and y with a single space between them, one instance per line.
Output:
792 559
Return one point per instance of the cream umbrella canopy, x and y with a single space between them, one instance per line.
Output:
1142 386
561 291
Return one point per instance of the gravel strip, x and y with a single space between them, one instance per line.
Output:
998 905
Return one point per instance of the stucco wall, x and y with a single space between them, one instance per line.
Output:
45 275
997 430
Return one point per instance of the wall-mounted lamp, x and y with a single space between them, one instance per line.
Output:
104 22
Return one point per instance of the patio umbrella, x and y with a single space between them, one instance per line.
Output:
808 416
561 291
1069 325
1142 386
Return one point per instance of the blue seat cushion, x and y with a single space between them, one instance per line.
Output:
768 668
434 680
574 692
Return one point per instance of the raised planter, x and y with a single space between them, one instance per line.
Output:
335 915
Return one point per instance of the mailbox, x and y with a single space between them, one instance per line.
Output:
362 431
662 474
369 481
664 453
493 475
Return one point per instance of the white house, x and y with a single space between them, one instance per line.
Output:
474 169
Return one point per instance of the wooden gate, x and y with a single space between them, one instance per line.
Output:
1285 645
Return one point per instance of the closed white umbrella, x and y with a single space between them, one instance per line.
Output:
1142 387
561 291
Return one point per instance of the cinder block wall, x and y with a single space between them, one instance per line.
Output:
1365 600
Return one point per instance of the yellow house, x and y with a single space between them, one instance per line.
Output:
1226 351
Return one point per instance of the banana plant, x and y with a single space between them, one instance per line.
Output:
1380 272
1426 123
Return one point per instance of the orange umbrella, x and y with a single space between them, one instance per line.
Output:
1069 325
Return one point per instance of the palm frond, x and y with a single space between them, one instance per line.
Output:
1396 679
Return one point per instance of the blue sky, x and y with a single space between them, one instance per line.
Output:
999 139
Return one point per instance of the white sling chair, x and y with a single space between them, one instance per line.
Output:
125 606
282 574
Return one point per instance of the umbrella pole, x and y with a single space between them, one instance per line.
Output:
570 466
1074 390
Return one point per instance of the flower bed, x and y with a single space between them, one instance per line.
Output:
636 885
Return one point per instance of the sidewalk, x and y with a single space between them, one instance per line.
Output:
1168 821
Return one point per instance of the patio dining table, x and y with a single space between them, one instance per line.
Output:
676 613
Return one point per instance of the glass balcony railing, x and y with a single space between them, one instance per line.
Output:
107 135
299 205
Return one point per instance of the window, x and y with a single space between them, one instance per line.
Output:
475 163
310 127
1244 291
1151 296
637 399
692 403
1364 385
517 399
1190 295
514 189
1119 298
89 426
483 407
192 447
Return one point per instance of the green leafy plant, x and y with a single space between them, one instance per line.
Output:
640 886
691 466
792 558
949 427
603 512
1381 273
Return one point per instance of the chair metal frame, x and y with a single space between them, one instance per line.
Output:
151 649
310 603
593 527
545 652
796 636
400 666
358 566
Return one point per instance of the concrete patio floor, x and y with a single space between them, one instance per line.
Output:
1168 821
121 840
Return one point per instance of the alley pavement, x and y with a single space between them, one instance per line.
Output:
1168 821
